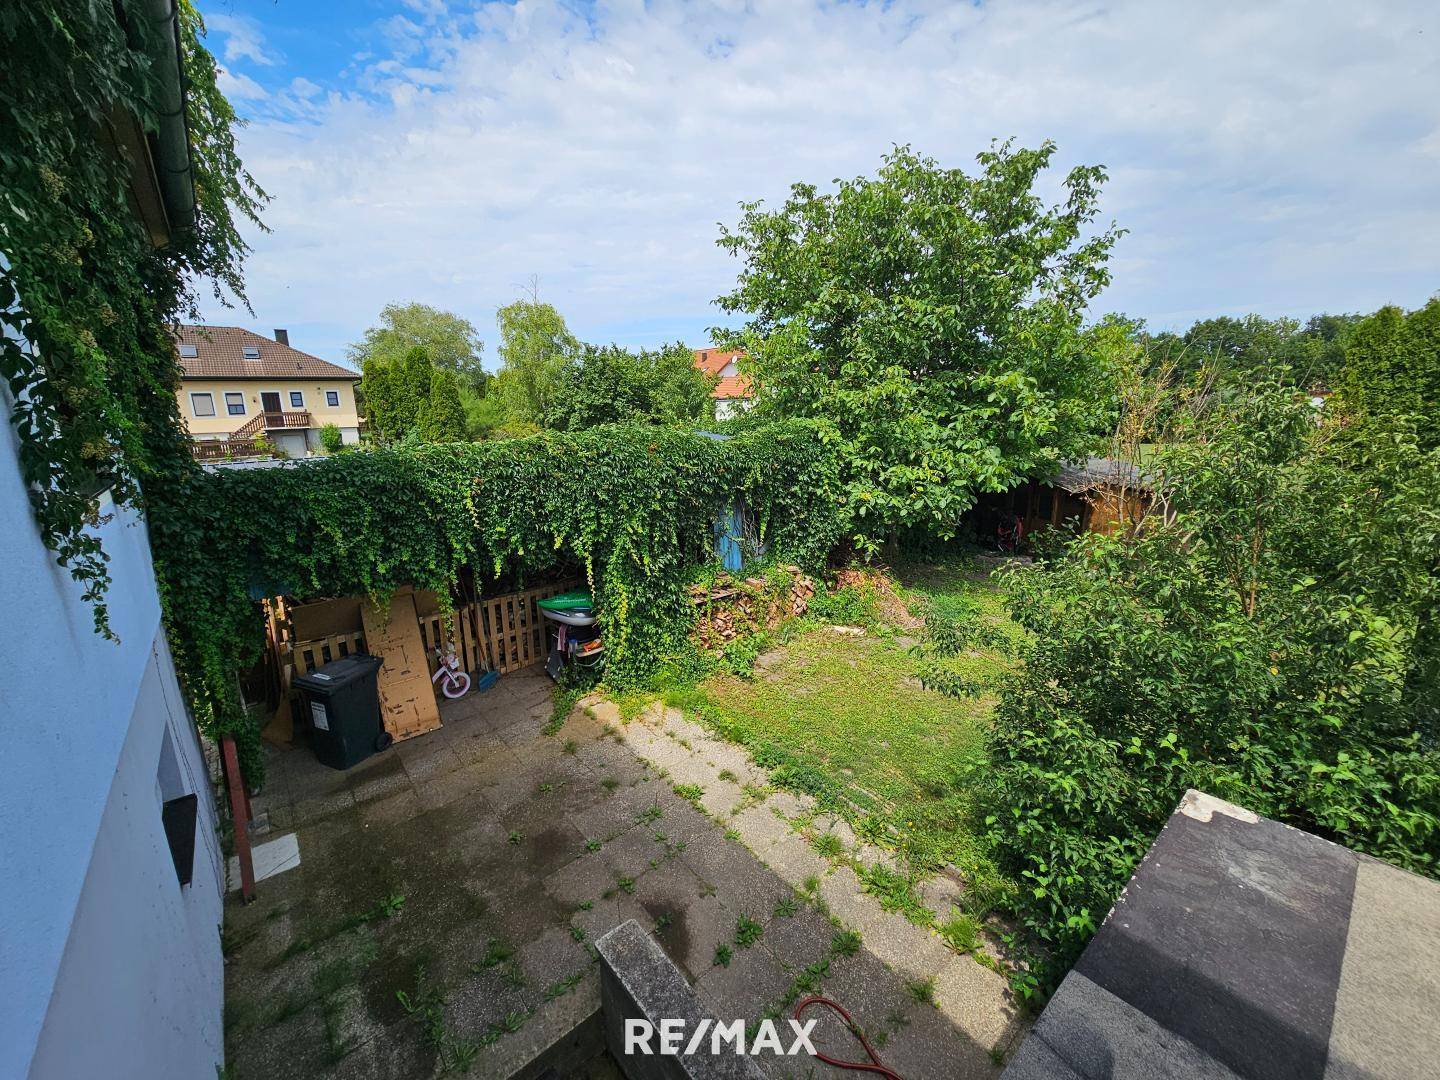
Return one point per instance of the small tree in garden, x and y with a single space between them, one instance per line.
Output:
1269 645
535 347
330 439
935 318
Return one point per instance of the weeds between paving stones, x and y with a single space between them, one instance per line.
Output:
571 746
653 812
565 985
496 953
577 933
786 907
726 774
593 845
723 955
426 1007
514 837
747 931
895 893
585 905
691 793
845 942
922 990
961 933
828 846
610 783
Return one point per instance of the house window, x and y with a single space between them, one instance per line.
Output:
297 399
235 404
251 352
189 351
202 404
332 398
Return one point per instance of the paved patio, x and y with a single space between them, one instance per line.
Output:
513 850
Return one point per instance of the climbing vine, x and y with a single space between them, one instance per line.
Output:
634 506
86 298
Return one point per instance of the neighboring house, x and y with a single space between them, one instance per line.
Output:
239 386
733 393
109 936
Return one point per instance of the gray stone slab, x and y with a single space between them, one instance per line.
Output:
637 980
1387 1006
1099 1034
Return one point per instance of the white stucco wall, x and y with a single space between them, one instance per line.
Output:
100 948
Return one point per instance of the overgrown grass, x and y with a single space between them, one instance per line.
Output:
846 719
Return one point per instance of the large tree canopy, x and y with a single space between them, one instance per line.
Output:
935 318
1392 368
411 398
451 342
608 384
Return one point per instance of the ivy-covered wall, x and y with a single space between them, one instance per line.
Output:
634 505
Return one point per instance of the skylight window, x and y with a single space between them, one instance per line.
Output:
189 351
252 352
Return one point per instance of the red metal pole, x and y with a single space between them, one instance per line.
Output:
240 816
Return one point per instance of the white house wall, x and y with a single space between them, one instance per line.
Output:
88 891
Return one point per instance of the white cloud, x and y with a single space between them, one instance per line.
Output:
239 87
244 40
1273 158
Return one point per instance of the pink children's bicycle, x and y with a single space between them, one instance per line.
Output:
453 682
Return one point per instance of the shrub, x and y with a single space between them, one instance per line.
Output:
331 440
1273 645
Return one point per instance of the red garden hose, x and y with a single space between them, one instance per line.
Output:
873 1065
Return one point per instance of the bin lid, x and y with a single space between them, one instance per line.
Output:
338 673
568 601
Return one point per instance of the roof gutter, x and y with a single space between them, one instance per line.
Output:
172 140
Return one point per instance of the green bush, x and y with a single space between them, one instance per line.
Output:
1273 645
331 441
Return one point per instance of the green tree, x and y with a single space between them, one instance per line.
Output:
397 395
535 347
1392 368
442 417
935 318
451 342
1265 641
331 441
608 384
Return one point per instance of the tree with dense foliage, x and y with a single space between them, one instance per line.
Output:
411 398
608 384
1270 642
331 441
451 342
1239 351
1392 368
935 318
442 418
535 347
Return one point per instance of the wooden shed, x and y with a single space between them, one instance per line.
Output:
1101 495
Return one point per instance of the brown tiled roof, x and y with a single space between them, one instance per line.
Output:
221 356
712 362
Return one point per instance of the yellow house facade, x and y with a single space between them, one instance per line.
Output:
238 386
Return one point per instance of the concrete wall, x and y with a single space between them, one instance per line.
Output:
108 964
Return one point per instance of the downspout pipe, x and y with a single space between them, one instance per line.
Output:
172 140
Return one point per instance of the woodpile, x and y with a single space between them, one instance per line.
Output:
732 607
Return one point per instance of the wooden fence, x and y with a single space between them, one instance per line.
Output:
506 631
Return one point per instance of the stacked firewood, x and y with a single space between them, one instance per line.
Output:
732 607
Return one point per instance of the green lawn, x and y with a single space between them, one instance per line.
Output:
848 719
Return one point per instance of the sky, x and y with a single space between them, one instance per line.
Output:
1281 158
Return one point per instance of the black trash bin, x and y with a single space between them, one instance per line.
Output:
342 707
